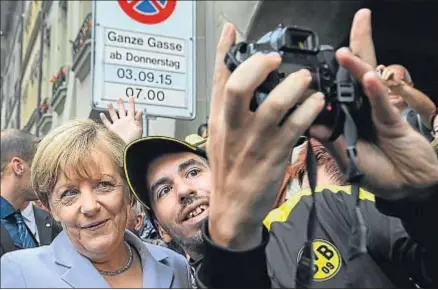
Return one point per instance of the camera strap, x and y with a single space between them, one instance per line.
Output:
305 268
357 247
357 241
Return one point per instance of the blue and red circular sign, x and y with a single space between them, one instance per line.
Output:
148 12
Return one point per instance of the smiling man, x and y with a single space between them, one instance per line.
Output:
172 178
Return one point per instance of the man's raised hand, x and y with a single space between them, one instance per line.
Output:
128 125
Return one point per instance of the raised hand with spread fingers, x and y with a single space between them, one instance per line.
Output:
127 124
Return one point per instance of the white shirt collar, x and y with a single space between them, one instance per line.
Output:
27 213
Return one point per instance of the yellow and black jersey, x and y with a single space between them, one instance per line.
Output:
401 245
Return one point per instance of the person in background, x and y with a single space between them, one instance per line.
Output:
23 225
203 130
135 220
136 224
415 107
328 172
78 175
149 232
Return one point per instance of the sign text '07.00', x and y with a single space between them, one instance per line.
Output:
146 95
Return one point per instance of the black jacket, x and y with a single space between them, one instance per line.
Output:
47 228
402 245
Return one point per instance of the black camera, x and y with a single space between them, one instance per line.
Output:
299 48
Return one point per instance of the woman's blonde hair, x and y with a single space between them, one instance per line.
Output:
68 149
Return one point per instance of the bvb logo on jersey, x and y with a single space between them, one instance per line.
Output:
327 262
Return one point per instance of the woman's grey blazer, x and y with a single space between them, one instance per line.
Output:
59 265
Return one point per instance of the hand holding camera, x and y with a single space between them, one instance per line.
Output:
344 96
249 148
248 151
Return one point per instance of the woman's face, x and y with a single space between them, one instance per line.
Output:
93 210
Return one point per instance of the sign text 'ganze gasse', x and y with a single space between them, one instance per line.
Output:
148 42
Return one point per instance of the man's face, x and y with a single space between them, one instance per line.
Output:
135 220
19 170
179 187
28 191
399 73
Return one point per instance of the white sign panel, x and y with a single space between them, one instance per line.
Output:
145 49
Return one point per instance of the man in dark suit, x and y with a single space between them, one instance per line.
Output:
22 225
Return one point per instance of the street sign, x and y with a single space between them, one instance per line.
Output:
145 49
148 12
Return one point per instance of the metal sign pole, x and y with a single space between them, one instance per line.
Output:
145 123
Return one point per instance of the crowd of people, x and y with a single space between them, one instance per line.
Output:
97 205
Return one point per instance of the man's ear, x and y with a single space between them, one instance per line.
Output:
17 165
163 234
139 222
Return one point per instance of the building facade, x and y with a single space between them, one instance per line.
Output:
32 62
55 64
56 55
10 67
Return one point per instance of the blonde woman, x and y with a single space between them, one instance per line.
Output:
78 175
